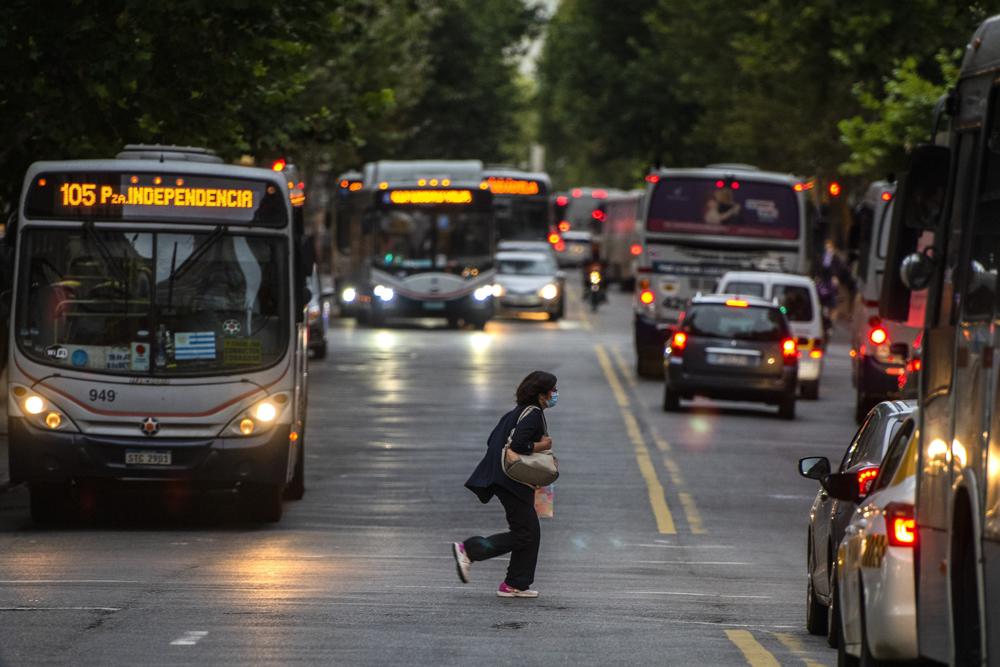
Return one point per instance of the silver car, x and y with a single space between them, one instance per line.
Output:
529 282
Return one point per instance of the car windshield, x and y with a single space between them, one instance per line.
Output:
152 303
748 323
449 239
796 301
525 266
745 288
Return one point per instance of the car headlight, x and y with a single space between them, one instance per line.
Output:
498 290
259 417
549 292
349 295
385 293
40 411
483 293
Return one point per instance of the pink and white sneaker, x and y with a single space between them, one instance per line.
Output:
462 561
506 591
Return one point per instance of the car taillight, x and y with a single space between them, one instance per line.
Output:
900 525
636 249
878 336
678 343
866 477
647 297
554 238
789 351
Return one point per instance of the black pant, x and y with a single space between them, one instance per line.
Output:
521 542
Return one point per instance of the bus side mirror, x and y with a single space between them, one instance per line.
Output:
917 208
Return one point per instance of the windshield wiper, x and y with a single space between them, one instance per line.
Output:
191 259
120 276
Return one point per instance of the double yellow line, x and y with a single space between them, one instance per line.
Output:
657 496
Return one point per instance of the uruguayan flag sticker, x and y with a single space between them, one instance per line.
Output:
194 345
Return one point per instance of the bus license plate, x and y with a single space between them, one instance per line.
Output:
433 305
728 360
133 458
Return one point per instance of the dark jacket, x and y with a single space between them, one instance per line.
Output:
529 431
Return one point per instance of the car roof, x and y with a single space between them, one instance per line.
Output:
721 299
895 409
768 276
524 255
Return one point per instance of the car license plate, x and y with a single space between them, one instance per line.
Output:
729 360
134 458
433 305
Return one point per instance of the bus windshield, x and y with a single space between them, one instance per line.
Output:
451 239
152 303
521 219
706 206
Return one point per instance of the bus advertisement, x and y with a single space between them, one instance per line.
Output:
520 203
157 330
417 240
941 273
699 223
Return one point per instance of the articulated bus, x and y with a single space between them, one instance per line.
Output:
417 240
520 203
157 330
941 273
699 223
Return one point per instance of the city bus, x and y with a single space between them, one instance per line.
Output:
941 274
699 223
521 205
417 241
157 330
618 239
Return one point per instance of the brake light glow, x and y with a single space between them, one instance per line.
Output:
878 335
599 215
678 342
636 249
720 184
886 196
735 185
562 200
564 225
647 297
789 348
560 246
577 192
816 354
554 238
652 178
599 194
900 525
866 477
738 303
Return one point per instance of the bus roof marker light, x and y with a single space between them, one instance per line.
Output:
484 186
886 196
720 184
42 182
564 226
434 182
157 180
446 182
134 180
652 178
798 187
180 182
734 185
422 182
834 189
279 164
383 186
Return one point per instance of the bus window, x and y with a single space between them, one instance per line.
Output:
796 301
745 288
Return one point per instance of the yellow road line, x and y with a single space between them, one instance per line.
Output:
657 497
623 367
691 513
755 654
795 646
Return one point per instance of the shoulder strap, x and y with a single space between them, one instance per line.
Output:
526 411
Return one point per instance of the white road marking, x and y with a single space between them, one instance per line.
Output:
789 496
189 638
692 562
20 582
108 609
682 546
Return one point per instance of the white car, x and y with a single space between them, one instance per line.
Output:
875 563
799 299
529 282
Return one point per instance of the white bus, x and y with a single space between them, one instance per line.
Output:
417 240
699 223
157 329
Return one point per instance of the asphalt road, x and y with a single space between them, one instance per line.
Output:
677 538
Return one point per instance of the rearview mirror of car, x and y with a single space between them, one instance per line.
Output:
814 467
842 486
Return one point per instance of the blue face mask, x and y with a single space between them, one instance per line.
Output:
553 399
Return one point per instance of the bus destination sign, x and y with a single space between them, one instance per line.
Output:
513 186
181 198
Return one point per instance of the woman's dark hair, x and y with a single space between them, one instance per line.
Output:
537 382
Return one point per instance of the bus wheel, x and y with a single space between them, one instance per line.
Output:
965 588
47 502
296 488
262 502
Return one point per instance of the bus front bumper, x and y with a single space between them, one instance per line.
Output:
47 457
463 307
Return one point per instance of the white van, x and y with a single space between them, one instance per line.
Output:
800 302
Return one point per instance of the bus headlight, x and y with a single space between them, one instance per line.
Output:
498 290
549 292
349 295
40 411
385 293
260 416
483 293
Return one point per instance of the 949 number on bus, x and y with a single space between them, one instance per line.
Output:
102 395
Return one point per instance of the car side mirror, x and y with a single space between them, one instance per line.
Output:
842 486
899 350
814 467
916 271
